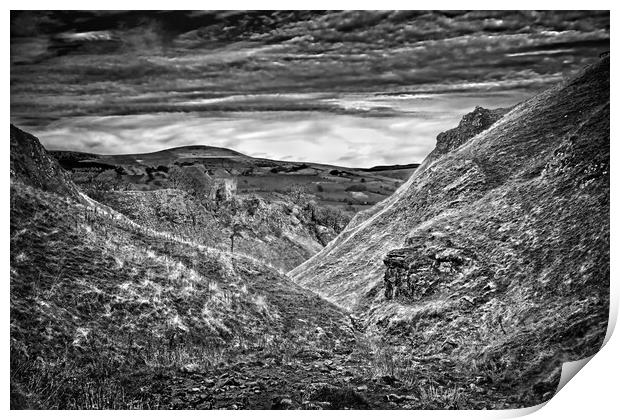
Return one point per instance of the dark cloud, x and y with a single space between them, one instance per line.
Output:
67 64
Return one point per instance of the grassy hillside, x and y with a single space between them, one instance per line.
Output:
31 163
493 259
281 212
102 307
176 191
96 296
281 232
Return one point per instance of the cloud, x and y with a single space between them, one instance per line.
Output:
349 140
370 67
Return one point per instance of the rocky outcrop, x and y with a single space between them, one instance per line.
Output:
223 189
32 164
415 273
471 125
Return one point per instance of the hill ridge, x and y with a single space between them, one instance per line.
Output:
307 271
31 163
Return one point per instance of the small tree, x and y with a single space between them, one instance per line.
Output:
298 193
231 215
236 231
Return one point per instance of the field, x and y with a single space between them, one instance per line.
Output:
348 189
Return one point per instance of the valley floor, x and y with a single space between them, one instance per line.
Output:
350 377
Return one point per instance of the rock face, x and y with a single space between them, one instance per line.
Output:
416 273
31 164
193 179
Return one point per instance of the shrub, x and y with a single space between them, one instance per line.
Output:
358 188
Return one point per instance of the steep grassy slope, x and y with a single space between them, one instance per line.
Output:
470 125
525 139
100 306
493 259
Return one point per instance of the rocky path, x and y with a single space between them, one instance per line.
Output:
308 380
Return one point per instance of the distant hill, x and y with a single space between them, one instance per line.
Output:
285 211
380 168
492 261
327 184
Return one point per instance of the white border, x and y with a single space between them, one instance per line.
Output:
308 5
594 394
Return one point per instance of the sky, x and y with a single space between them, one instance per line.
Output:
350 88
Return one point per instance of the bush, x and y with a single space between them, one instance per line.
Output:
358 188
329 217
96 184
298 194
